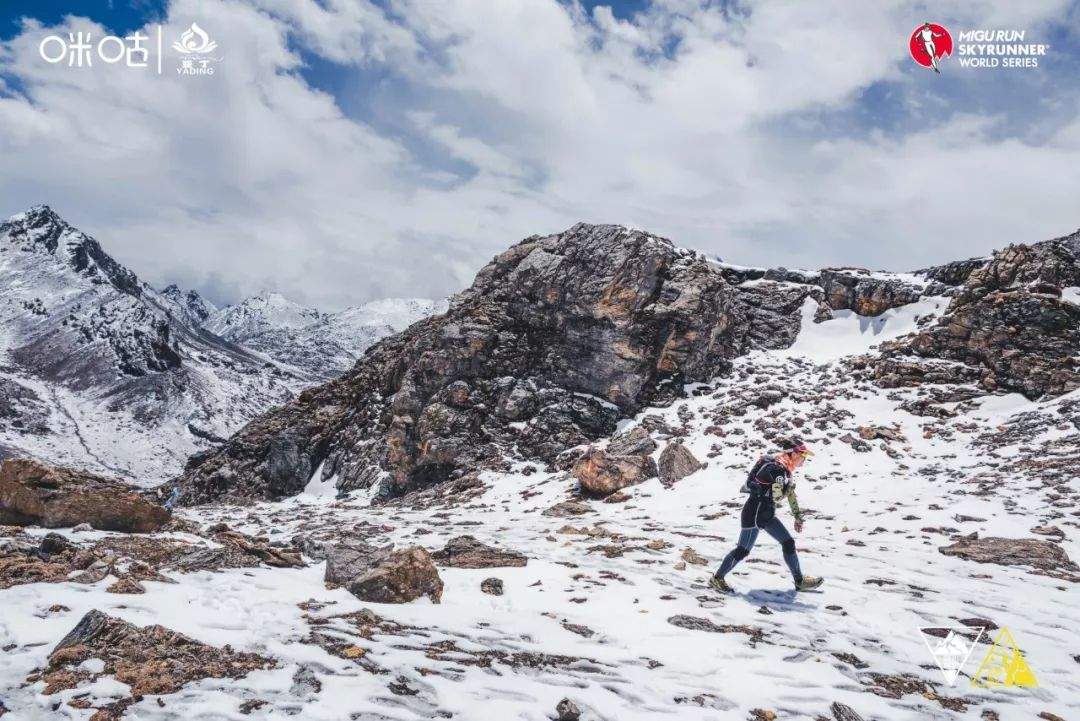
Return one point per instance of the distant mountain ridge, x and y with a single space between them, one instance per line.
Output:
100 370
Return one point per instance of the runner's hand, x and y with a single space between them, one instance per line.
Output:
798 526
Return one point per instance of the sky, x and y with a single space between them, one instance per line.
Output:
348 150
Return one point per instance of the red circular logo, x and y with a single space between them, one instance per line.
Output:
929 43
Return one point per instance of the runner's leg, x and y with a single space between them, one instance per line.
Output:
777 530
746 541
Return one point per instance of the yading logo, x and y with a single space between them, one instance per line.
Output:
928 44
195 47
1003 665
951 648
194 41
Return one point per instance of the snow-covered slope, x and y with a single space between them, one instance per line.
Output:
320 346
612 610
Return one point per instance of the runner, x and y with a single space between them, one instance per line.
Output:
768 482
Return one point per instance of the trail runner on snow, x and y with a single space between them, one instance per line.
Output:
768 483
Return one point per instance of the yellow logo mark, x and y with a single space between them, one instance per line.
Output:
1004 665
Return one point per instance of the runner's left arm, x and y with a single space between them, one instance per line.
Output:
793 502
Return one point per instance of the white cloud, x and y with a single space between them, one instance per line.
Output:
492 120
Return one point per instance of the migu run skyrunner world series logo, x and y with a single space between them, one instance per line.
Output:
930 43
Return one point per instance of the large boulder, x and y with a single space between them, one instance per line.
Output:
33 493
468 552
626 461
555 340
384 575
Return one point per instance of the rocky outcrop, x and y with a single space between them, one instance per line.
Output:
865 293
1007 322
555 340
954 273
676 463
1043 555
149 659
625 461
236 550
54 497
855 289
467 552
384 575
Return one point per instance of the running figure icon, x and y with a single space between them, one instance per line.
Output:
927 34
928 43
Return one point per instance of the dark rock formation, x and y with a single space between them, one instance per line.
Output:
853 289
54 497
1007 324
467 552
556 338
954 273
865 294
384 575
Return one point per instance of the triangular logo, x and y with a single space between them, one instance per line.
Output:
1004 665
950 648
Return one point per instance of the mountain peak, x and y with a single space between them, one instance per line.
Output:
41 229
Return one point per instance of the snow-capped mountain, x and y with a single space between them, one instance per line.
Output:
98 370
318 345
189 305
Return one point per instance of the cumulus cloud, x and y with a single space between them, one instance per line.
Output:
429 138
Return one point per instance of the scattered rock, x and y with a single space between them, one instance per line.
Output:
492 586
676 463
696 623
150 659
467 552
126 585
869 433
567 710
1043 555
35 493
237 550
618 497
567 509
385 575
693 557
843 712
